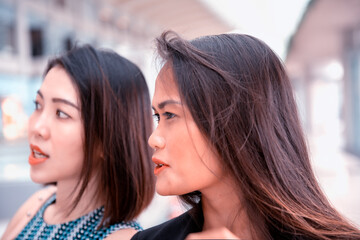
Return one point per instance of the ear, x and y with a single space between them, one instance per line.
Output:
99 151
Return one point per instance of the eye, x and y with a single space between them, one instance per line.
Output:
169 115
37 105
61 114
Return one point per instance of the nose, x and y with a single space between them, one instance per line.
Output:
156 141
39 126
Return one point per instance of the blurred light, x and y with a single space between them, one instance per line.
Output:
10 106
124 49
14 119
334 70
122 22
11 131
11 171
106 14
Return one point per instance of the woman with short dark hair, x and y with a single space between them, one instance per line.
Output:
88 136
229 142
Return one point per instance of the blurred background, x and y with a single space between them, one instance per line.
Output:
318 40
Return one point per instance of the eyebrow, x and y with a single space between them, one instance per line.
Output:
55 100
167 102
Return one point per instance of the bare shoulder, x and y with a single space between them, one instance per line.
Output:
126 233
27 211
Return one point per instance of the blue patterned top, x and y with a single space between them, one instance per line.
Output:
81 228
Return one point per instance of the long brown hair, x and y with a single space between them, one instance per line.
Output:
240 97
116 115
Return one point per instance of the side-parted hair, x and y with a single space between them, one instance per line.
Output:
116 115
241 99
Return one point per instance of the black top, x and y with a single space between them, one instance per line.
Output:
175 229
191 222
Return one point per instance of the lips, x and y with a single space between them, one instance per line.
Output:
37 156
160 166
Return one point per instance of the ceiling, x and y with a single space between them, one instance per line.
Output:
190 18
322 32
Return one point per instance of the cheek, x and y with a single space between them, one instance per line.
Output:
71 159
69 144
181 150
210 159
205 158
188 159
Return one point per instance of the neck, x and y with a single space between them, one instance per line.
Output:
222 208
67 191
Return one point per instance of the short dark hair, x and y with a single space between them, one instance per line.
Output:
116 115
241 99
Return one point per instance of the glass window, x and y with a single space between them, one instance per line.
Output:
37 25
353 139
58 38
7 29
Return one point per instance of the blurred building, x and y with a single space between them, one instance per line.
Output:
31 31
323 62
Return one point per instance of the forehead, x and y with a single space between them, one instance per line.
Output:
57 81
165 86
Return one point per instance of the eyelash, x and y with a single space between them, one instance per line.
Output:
168 115
37 105
156 117
58 112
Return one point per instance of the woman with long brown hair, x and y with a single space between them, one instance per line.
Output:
88 134
229 142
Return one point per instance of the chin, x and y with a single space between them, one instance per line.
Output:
167 191
37 178
163 192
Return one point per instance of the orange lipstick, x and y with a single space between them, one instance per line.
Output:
36 156
160 166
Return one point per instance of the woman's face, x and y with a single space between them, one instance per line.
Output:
56 130
185 161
